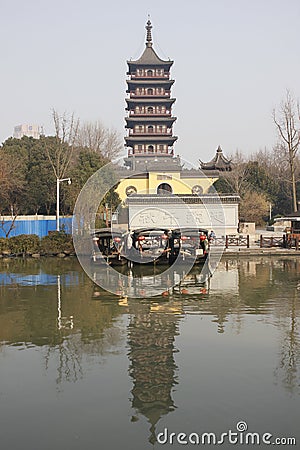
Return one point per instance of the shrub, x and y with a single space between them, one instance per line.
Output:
4 245
24 243
57 242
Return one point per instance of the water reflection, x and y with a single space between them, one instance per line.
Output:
51 305
151 336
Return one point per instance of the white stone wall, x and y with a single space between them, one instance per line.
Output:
222 218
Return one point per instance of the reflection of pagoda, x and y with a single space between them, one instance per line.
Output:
152 365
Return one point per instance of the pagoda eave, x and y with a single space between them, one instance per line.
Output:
131 140
147 101
158 63
151 81
130 121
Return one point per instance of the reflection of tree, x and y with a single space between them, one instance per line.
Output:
96 335
69 356
152 367
272 280
48 303
289 363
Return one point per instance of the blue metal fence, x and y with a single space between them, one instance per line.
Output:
39 227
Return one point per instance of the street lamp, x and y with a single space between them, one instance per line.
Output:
57 198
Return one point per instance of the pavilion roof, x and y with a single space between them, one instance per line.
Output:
219 162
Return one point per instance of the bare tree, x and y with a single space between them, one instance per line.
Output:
60 154
237 177
8 225
100 139
287 122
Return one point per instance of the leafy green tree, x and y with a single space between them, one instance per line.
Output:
40 189
13 154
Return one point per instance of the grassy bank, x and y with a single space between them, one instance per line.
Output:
57 243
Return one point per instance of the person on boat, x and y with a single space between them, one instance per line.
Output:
212 236
203 242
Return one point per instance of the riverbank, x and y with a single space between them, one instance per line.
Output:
241 251
55 244
60 244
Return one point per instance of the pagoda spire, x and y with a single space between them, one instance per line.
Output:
149 35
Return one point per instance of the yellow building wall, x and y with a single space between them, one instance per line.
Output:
149 185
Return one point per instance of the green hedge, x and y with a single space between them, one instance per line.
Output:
4 245
56 242
24 243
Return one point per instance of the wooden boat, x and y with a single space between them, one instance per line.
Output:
188 245
107 247
148 246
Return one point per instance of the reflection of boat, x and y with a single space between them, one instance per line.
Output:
152 281
188 245
194 283
149 246
107 247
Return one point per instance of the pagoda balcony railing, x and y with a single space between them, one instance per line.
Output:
146 114
154 95
149 133
149 77
132 152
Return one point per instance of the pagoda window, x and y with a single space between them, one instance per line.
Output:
150 110
159 109
161 148
149 73
139 148
159 72
150 129
149 91
160 90
159 129
150 149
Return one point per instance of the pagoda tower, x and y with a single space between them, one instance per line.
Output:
149 105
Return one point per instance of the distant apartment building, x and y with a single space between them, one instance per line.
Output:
29 130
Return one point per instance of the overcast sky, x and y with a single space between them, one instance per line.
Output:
234 60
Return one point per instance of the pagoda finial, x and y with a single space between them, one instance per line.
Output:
149 35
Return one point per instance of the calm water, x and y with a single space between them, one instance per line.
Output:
81 369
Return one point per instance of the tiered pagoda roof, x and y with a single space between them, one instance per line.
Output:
149 121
